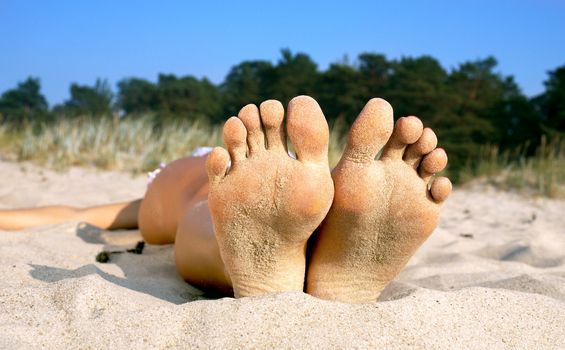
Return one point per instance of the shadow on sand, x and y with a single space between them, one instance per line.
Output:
152 272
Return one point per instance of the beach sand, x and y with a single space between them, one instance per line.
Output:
491 276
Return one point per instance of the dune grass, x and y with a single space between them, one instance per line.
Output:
131 144
139 145
540 174
135 145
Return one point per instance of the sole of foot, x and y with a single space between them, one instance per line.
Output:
267 204
383 210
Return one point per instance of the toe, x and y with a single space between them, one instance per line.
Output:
249 115
308 130
217 164
406 131
433 162
441 188
235 139
425 144
272 114
370 131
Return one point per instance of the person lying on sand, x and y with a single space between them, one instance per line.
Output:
252 220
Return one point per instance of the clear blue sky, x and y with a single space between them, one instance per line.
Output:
64 41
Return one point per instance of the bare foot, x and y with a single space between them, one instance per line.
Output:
266 206
383 210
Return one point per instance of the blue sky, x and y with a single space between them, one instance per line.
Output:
63 41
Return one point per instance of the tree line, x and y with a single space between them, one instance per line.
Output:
468 106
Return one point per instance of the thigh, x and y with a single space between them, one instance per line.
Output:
168 196
197 255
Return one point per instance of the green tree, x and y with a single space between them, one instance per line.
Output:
247 82
375 72
515 119
294 74
417 86
341 93
188 97
24 103
136 96
489 109
552 102
95 101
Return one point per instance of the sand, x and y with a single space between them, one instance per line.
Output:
491 276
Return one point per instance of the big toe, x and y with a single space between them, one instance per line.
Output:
308 130
370 131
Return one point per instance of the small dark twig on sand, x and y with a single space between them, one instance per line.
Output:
104 256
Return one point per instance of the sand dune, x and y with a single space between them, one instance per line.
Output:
491 276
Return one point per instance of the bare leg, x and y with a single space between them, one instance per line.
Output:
169 197
108 216
157 214
175 209
175 205
197 255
